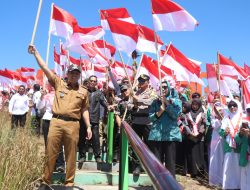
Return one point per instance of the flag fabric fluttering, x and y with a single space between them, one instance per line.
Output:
247 69
58 68
169 16
105 48
146 40
118 70
125 35
84 36
213 81
117 13
184 69
62 23
228 67
246 91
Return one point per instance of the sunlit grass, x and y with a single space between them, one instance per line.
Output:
21 158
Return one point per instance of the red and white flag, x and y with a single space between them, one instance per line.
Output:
58 68
6 79
62 23
25 71
117 13
228 67
146 40
105 48
118 70
125 35
84 36
213 81
246 92
184 69
168 15
247 69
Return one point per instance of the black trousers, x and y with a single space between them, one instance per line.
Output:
60 159
18 120
143 132
165 151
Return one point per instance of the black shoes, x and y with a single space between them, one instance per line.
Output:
80 162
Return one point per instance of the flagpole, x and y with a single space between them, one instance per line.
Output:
81 68
218 61
125 69
48 44
36 22
137 71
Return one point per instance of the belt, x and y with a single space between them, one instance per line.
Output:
65 118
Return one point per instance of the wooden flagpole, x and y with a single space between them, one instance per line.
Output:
36 22
137 71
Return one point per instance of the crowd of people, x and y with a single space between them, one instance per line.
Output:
188 135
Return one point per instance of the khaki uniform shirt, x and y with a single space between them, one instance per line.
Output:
69 101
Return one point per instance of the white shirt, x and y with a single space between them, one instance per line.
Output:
19 104
35 100
46 103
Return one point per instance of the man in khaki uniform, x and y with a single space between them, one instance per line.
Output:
70 102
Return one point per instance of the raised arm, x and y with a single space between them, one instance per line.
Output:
49 74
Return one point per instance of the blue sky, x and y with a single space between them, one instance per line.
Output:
224 26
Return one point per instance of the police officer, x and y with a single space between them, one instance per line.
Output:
70 102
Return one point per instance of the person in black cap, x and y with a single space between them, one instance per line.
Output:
142 100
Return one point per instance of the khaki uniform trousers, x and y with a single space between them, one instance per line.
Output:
62 133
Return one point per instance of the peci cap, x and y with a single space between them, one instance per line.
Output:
143 78
74 67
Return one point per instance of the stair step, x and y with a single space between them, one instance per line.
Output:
100 187
103 166
91 157
103 178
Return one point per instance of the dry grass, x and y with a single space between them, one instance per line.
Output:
21 161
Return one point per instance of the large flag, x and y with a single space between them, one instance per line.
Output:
84 36
146 40
6 78
228 67
125 35
117 13
168 15
62 23
184 69
213 81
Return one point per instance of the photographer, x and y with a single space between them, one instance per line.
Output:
165 133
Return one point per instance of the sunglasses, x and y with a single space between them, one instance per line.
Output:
164 87
92 80
232 106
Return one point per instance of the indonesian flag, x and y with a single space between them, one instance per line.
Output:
105 48
247 69
62 23
117 13
74 61
63 58
95 54
25 71
84 35
125 35
118 70
6 78
18 79
228 67
246 92
170 16
184 69
146 40
98 71
213 82
149 67
58 68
